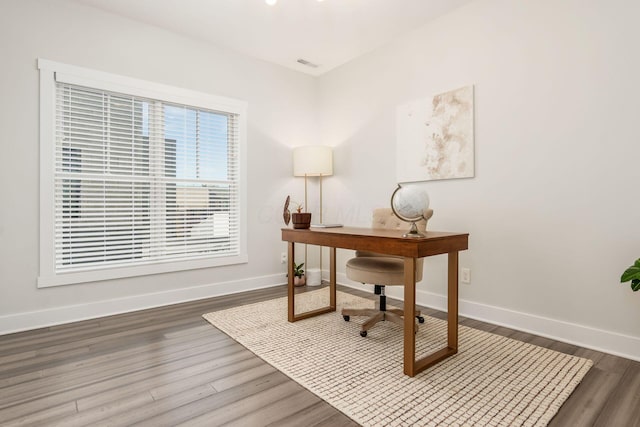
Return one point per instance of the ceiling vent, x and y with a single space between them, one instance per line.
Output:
307 63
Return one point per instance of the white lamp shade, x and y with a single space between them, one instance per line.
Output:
312 160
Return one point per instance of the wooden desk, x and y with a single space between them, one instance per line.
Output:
388 242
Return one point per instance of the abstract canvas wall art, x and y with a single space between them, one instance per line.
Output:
435 137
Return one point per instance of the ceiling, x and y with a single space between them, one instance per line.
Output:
328 33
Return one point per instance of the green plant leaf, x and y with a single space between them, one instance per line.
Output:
635 285
298 271
632 272
637 263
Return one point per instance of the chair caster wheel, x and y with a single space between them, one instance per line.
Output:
363 333
420 319
346 318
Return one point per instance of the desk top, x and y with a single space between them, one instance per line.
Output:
380 240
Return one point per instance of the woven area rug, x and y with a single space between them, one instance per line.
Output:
492 381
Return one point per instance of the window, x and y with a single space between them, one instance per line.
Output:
136 177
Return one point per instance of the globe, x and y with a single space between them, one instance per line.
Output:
409 203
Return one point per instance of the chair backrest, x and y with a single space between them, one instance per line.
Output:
386 219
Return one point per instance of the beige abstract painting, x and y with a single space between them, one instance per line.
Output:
435 137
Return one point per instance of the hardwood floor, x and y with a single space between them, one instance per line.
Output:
168 366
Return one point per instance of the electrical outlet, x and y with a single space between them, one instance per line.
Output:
283 258
465 275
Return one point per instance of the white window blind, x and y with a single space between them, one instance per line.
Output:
139 181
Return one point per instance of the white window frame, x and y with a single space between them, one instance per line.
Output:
49 72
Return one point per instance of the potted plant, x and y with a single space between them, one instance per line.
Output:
298 274
301 219
632 273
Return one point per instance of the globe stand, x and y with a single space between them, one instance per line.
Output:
413 232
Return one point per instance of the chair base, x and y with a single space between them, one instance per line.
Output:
393 315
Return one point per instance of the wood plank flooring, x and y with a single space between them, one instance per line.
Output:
167 366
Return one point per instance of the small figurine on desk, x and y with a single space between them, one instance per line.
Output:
286 214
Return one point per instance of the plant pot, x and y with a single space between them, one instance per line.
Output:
313 276
299 281
301 220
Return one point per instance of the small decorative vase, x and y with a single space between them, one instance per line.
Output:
299 281
301 219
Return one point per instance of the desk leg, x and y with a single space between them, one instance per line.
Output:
412 366
452 302
332 277
291 293
409 316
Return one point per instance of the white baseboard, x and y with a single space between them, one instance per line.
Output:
584 336
73 313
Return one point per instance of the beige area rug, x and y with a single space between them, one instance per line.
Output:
492 381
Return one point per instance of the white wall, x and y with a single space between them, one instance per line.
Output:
553 212
281 113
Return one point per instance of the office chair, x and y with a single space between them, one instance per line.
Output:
382 270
